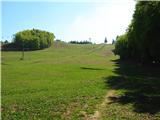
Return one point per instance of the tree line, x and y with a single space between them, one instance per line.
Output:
141 42
81 42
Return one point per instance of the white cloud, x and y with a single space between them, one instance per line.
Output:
109 19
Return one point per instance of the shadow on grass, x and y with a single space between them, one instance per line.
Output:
139 85
88 68
2 63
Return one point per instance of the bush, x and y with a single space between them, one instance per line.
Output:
121 47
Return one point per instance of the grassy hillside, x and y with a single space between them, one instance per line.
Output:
64 81
70 81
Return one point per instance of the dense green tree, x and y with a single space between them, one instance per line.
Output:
33 39
6 42
105 40
113 41
143 34
121 46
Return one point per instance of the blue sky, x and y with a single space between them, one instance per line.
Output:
68 20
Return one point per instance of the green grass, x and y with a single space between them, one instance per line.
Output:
69 81
55 83
138 90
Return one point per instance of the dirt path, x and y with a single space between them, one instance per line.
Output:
102 106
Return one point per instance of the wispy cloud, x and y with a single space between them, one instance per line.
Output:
109 19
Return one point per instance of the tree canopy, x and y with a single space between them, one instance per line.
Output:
141 42
33 39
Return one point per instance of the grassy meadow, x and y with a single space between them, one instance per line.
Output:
68 81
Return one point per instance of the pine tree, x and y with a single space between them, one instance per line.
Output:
105 41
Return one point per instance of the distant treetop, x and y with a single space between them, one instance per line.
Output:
81 42
105 41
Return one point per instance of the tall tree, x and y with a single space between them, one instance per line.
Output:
105 40
113 41
142 39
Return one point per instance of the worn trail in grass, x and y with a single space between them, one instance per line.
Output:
102 106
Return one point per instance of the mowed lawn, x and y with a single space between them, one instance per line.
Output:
65 81
70 81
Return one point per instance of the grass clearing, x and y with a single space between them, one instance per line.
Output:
70 81
62 82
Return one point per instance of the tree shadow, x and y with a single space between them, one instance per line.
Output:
140 86
88 68
2 63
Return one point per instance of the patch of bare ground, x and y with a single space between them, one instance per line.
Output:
101 107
